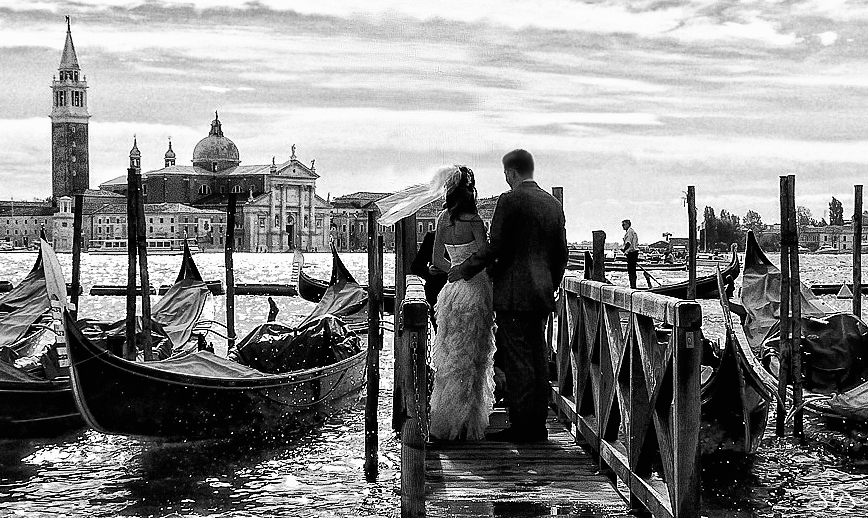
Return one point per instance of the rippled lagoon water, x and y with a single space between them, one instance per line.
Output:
319 473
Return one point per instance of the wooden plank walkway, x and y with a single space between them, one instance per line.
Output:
482 478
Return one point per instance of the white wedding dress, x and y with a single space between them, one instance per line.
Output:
463 355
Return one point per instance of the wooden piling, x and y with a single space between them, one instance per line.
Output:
132 253
375 300
599 253
857 252
405 252
796 309
77 212
785 350
414 430
691 242
230 272
142 242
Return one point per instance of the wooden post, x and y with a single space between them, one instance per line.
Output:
857 252
142 242
414 431
375 298
691 242
230 273
76 252
785 327
405 252
796 308
132 253
599 252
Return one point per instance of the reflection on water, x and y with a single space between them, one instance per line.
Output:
319 473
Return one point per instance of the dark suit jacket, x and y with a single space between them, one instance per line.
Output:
527 250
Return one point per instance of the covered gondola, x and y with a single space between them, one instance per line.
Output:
312 289
277 380
834 345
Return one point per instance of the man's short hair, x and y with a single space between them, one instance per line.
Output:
520 161
627 221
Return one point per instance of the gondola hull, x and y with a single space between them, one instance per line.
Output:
116 396
37 408
706 286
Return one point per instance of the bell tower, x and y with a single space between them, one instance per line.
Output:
70 167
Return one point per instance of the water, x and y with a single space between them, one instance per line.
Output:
319 473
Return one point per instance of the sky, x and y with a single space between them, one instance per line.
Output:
623 103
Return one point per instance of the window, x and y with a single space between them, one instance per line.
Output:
430 226
222 188
261 222
345 228
77 98
236 188
420 228
171 220
277 221
99 221
144 189
204 190
161 220
150 220
64 224
214 169
59 98
151 231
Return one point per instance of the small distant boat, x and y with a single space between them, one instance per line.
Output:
828 250
156 246
312 289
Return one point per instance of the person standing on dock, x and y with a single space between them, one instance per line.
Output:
527 253
631 250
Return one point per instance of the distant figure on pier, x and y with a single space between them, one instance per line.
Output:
463 348
435 278
527 254
631 250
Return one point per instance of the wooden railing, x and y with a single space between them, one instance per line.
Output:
628 371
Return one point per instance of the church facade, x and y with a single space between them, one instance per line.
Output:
277 205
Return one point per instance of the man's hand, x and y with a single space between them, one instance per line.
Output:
456 273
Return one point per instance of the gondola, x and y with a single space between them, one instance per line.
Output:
834 345
312 289
706 286
38 401
735 392
35 396
203 396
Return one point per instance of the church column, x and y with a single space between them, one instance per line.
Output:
269 225
312 228
300 224
283 221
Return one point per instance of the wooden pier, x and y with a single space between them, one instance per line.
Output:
624 431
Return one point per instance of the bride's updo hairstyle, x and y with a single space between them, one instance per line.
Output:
460 193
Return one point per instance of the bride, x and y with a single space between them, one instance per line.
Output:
463 347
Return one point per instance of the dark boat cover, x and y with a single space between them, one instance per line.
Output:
172 320
204 363
23 306
276 348
10 373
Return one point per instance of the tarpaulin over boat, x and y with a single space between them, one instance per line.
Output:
852 404
10 373
23 306
172 320
204 363
343 298
761 295
276 348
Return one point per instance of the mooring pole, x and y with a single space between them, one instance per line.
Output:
230 273
796 308
375 297
691 242
142 241
599 253
857 252
132 253
785 326
77 212
405 252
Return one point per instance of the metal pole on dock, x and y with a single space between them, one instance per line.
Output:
857 252
785 327
230 273
142 242
132 252
796 308
405 252
599 252
691 242
77 212
375 298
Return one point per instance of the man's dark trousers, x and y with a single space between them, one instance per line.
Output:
520 340
632 261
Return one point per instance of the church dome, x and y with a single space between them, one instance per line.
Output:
215 152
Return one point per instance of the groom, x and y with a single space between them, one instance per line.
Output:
528 254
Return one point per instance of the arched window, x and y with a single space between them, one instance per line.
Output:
277 221
236 188
204 189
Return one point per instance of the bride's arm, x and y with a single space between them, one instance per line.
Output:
480 235
438 256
